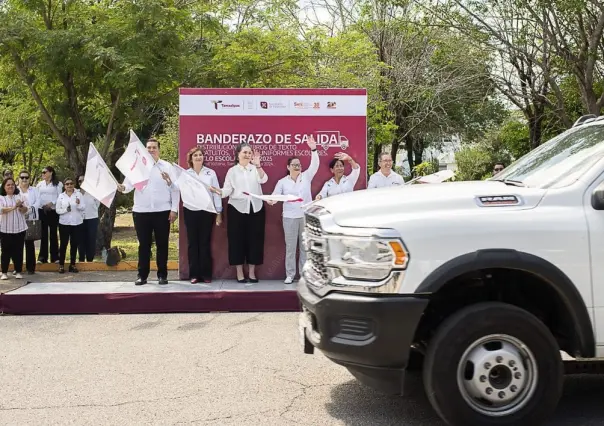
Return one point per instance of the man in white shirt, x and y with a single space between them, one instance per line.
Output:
385 176
155 208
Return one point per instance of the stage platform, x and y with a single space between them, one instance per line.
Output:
126 298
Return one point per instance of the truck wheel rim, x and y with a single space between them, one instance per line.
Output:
497 375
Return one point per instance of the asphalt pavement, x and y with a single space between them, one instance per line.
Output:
202 369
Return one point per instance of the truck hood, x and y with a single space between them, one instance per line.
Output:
360 208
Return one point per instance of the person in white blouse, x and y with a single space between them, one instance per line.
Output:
12 227
385 177
296 183
87 246
31 196
340 183
246 215
155 208
70 208
199 223
49 189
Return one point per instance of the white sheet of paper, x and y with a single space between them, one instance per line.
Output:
278 198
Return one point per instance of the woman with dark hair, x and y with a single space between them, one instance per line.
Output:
12 227
49 189
246 215
70 208
199 223
30 196
296 183
340 183
90 225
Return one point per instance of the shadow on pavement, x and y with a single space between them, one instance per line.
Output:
355 404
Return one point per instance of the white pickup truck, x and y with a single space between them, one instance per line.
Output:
483 285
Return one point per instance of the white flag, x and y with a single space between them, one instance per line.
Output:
136 163
277 197
98 180
193 191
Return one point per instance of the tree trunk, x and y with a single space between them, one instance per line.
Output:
394 150
106 223
377 150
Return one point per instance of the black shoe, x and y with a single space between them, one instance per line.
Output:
140 281
163 281
61 270
241 281
73 269
254 280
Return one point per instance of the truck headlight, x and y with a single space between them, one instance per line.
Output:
366 258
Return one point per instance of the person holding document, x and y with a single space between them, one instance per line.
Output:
296 183
340 183
199 222
155 208
246 215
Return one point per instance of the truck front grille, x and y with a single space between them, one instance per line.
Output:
315 269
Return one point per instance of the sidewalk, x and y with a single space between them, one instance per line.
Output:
98 276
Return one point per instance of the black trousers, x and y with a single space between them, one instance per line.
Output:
50 222
12 248
88 231
148 225
199 226
69 235
30 256
245 233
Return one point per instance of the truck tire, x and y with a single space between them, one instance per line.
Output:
493 364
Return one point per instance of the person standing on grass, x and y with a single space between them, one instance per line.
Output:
49 189
70 208
199 223
90 226
12 227
296 183
155 208
30 196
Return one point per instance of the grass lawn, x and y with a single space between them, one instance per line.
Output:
124 236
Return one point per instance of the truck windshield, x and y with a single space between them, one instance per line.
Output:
558 162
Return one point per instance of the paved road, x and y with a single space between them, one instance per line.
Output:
204 369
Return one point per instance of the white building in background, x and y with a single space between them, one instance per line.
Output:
444 151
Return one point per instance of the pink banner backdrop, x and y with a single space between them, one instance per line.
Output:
277 123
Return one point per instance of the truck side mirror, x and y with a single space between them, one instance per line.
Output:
597 198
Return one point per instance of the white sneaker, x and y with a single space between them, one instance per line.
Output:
14 272
19 276
4 277
288 280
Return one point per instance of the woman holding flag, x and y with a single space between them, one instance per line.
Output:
199 222
296 183
246 215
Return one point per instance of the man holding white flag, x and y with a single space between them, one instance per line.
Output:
200 209
155 203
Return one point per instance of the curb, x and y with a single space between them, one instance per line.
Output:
124 265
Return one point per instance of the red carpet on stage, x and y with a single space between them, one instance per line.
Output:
126 298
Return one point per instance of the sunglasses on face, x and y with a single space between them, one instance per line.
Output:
24 177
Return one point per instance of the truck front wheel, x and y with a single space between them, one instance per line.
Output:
493 364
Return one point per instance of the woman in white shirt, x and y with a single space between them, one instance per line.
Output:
70 208
340 183
246 215
12 227
296 183
87 246
30 196
199 223
49 189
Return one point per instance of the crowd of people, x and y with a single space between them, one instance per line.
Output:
68 209
30 213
